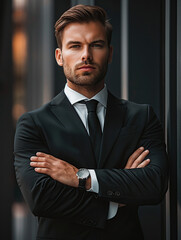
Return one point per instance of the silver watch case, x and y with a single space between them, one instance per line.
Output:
83 173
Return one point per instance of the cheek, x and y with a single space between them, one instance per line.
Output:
101 57
71 59
103 61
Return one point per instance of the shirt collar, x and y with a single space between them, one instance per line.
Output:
75 97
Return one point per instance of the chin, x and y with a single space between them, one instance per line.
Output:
85 81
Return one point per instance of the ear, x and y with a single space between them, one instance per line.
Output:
58 56
110 54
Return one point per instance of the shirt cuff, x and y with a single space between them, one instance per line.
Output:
113 208
94 182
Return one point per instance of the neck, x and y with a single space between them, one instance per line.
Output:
87 91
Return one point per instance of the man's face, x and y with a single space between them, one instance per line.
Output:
85 53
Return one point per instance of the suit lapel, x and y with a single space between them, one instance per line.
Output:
113 123
67 115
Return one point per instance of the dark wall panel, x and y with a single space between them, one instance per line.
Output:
146 82
6 126
173 147
145 31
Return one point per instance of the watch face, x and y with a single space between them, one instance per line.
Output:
83 173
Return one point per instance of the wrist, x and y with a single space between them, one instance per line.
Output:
88 183
83 174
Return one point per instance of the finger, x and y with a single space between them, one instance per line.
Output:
144 163
134 156
39 164
38 159
42 170
140 159
45 155
41 154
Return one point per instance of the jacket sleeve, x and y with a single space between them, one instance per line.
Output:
45 196
141 186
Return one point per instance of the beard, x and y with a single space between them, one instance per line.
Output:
86 78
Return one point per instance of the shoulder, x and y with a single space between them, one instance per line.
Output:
129 105
43 111
134 105
131 110
36 113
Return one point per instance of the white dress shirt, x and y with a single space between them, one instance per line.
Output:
74 98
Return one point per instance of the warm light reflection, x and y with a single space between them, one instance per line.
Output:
18 110
19 3
19 51
20 213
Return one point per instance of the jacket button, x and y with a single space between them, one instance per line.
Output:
96 195
117 194
110 193
90 222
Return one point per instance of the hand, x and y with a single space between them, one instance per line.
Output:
55 168
136 160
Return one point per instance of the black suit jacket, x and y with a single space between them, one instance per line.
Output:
70 213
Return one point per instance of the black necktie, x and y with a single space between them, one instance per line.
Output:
94 127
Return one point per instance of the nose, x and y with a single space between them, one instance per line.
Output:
87 54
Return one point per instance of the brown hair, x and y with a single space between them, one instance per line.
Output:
82 13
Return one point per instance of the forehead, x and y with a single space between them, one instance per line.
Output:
84 32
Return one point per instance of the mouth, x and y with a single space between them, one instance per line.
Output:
86 67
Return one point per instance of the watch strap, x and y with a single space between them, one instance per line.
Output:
82 183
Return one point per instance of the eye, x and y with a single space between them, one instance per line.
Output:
96 45
76 46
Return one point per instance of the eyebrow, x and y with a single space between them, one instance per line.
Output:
77 42
73 42
99 41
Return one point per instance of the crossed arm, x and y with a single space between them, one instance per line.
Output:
65 173
143 181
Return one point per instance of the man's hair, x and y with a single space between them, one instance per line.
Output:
82 14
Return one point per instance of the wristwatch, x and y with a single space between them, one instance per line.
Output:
82 175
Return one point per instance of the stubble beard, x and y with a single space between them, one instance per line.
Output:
86 79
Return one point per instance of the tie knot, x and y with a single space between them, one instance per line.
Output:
91 105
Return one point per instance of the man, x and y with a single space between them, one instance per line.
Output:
87 160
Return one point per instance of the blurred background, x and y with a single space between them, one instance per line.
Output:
146 68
